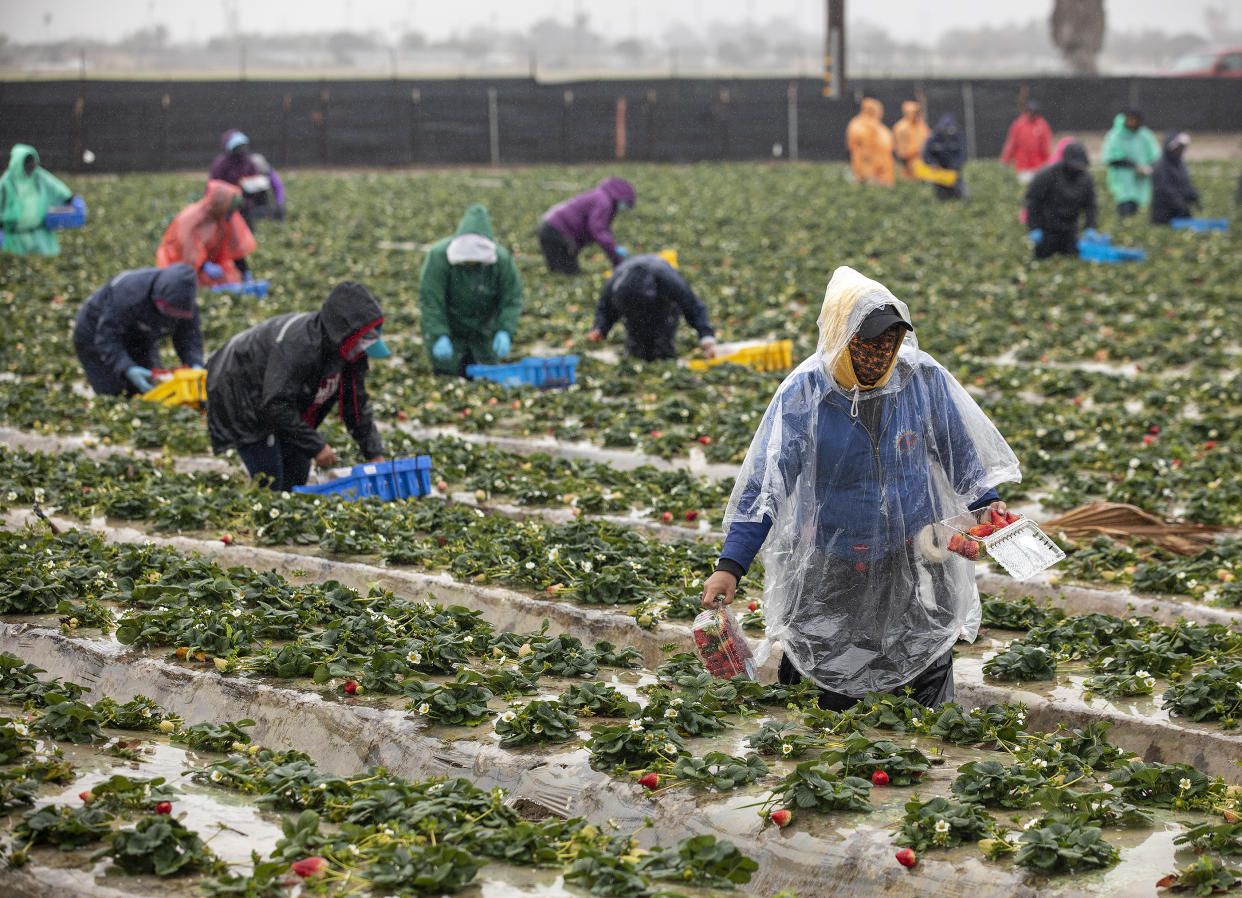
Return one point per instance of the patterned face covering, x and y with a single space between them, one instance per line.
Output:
872 357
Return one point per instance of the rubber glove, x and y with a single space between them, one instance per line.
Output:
78 203
140 377
1091 234
248 276
1035 235
623 252
500 343
212 270
443 350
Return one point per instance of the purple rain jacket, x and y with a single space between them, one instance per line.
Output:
587 217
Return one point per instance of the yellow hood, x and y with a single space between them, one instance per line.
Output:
849 299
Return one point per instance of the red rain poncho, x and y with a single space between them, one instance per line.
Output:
209 230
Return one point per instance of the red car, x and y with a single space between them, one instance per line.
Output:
1209 64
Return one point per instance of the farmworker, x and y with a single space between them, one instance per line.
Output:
909 135
1055 199
27 191
1130 150
469 297
1028 145
584 219
118 329
1172 193
946 149
865 446
870 144
262 189
1053 159
647 293
269 387
210 236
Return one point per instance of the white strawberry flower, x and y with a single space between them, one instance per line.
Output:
670 748
636 726
424 708
942 826
508 716
670 713
536 729
1183 784
786 748
413 657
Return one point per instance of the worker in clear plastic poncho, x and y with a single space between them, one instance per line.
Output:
864 447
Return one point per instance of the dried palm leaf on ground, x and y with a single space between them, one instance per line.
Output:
1119 520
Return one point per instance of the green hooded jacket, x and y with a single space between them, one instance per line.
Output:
1138 147
468 301
24 201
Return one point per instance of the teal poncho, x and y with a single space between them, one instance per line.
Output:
24 201
1139 148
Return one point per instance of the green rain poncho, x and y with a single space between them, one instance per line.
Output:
469 289
1131 149
24 201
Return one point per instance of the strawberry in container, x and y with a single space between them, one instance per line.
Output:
720 643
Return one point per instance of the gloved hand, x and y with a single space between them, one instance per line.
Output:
1035 235
140 377
623 252
500 343
1091 235
443 349
212 270
248 276
196 367
77 203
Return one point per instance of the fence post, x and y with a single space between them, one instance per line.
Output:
620 128
493 125
968 118
791 97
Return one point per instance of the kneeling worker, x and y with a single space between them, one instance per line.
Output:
269 387
118 329
649 296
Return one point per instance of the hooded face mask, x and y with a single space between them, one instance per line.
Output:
872 358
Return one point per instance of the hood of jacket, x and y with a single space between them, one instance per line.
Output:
619 190
17 159
226 137
946 124
872 108
1074 157
219 198
476 221
1175 141
849 299
349 312
175 291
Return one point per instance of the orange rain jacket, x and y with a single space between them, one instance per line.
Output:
909 135
208 230
870 144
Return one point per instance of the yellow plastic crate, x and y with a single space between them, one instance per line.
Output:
186 386
775 356
945 177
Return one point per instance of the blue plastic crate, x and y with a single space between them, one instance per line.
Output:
252 288
1199 224
546 373
400 478
70 215
1102 250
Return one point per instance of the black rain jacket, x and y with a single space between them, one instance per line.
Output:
283 376
1172 194
124 321
649 295
1060 192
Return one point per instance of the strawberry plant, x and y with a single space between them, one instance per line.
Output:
66 828
68 720
1214 694
783 740
637 745
1022 662
702 860
940 823
1020 614
159 845
861 757
992 784
1091 808
1205 876
15 740
720 771
537 722
120 793
462 702
598 700
1060 847
1220 838
811 785
208 736
1177 786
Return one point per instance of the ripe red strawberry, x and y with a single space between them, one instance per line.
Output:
351 686
753 606
667 517
982 530
657 433
1148 439
403 416
691 515
781 816
1154 429
879 778
309 866
1209 445
1231 816
86 796
227 539
164 807
705 440
649 780
906 857
970 550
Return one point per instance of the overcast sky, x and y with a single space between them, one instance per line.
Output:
39 20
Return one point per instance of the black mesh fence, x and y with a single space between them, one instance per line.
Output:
175 125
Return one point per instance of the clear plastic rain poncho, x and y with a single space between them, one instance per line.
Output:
859 587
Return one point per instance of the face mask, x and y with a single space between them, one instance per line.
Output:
872 357
622 206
